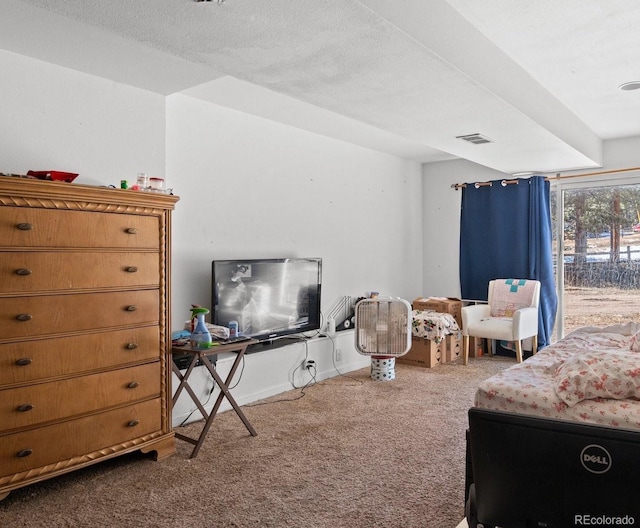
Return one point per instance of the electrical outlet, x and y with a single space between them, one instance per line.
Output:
308 363
338 354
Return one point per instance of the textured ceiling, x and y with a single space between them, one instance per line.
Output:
540 79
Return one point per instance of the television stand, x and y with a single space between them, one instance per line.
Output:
273 344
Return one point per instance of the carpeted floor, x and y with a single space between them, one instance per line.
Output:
349 452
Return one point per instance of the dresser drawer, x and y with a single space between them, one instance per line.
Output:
23 272
32 227
55 400
29 361
34 448
43 315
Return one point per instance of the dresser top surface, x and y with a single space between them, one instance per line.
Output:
26 187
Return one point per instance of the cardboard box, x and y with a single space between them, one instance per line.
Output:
424 353
477 346
453 347
449 305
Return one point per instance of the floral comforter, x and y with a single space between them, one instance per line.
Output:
433 325
590 376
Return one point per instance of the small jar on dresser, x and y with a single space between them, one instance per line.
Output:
84 327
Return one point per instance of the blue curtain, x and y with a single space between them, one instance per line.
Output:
505 232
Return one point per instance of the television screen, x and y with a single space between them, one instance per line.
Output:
268 298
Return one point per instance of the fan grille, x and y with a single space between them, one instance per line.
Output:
383 327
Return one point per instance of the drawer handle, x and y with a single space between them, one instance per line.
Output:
25 226
131 346
133 423
131 269
23 362
131 231
24 453
133 385
131 308
23 271
24 407
24 317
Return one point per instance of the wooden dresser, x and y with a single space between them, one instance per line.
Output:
84 327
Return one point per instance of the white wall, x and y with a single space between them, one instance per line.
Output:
252 188
442 222
622 153
53 118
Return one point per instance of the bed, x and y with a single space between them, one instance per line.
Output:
555 441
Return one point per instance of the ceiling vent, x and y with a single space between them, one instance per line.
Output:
476 139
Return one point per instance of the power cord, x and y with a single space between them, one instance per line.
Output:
213 386
310 367
333 360
310 383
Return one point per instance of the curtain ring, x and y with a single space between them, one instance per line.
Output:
476 185
503 183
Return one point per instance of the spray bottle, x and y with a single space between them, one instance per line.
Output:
200 336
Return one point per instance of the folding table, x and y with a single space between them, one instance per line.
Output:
199 354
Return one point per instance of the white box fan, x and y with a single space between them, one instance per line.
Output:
383 327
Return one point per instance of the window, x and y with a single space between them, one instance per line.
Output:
598 260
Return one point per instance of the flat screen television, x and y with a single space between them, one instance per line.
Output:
269 298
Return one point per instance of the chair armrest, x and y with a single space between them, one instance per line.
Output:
525 322
473 314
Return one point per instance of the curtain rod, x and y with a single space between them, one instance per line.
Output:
504 183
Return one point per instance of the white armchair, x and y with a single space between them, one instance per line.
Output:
511 314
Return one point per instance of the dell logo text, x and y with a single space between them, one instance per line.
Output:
595 459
